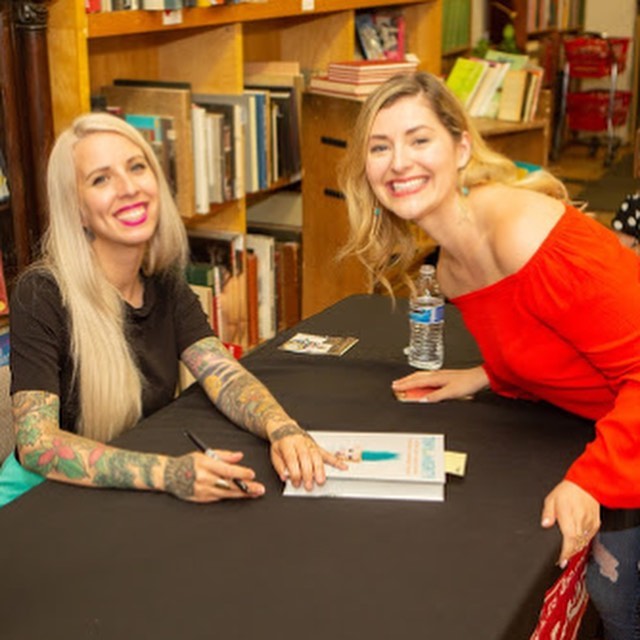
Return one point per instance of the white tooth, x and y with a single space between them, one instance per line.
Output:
405 186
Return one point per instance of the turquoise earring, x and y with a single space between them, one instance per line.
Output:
377 211
464 191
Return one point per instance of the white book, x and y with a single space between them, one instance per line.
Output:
264 248
215 157
201 183
388 466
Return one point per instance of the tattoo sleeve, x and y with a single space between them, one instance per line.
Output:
60 455
236 392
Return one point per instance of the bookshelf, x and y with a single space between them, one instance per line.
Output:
88 51
534 19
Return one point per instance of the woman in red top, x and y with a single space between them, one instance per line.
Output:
551 297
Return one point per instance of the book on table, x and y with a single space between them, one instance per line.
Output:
389 466
318 345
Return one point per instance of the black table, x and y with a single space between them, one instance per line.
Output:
109 564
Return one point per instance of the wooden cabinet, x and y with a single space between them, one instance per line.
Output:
208 49
327 123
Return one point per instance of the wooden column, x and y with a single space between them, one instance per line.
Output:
31 35
25 95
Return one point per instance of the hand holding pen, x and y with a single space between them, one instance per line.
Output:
222 483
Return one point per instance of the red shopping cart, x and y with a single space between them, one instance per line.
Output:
597 110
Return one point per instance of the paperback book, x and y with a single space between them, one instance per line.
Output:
388 466
312 344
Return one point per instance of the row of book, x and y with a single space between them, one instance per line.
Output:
358 78
248 284
456 25
502 85
215 148
103 6
554 14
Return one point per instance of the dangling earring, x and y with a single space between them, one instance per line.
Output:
463 192
377 211
88 234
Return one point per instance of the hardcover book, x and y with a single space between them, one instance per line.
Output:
389 466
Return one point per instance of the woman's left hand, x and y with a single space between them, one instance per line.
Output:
577 514
296 456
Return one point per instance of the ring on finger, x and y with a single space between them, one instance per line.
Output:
221 483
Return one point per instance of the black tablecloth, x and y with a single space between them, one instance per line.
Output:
109 564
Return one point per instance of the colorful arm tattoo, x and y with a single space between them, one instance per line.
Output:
237 393
64 456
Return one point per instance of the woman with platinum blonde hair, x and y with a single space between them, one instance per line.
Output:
544 289
100 322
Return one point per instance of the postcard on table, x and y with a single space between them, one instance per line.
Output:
390 466
312 344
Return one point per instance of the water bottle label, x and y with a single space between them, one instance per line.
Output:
428 315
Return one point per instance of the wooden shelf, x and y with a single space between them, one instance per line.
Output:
117 23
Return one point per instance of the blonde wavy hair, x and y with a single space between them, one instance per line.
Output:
105 371
384 243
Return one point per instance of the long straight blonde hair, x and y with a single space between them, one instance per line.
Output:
385 243
105 371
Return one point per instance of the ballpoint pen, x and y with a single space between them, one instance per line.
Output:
208 451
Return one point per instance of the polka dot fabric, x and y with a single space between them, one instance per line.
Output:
627 218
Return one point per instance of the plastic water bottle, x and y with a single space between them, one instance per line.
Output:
426 321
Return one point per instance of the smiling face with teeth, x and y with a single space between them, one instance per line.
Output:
413 161
118 192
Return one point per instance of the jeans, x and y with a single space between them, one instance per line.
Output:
613 582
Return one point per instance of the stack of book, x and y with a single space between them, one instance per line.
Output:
358 78
501 85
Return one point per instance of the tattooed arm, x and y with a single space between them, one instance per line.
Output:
248 403
59 455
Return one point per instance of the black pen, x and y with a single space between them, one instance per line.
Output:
208 451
